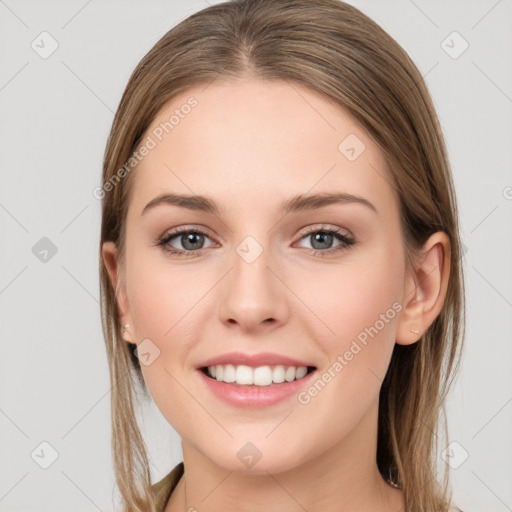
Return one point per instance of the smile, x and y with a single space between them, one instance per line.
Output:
244 375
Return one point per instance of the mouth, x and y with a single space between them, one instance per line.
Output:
260 376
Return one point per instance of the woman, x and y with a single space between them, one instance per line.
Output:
281 265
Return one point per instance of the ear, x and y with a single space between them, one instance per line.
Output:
426 287
111 262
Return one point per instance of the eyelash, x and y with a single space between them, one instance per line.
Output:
347 241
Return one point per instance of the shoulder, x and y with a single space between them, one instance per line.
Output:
163 489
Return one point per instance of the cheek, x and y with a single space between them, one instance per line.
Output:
170 304
357 303
165 304
163 297
361 311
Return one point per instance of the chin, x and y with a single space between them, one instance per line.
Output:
250 460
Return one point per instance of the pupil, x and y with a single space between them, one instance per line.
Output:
190 239
323 238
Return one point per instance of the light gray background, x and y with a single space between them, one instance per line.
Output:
55 118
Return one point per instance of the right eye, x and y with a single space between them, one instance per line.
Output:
190 239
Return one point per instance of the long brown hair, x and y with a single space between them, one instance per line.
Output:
332 48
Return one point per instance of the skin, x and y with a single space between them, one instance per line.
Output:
249 145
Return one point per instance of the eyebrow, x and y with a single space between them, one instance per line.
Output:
298 203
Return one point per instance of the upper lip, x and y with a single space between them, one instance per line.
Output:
254 360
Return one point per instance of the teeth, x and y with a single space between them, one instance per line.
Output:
259 376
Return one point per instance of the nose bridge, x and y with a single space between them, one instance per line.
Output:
251 277
252 293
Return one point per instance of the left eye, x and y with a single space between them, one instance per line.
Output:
322 239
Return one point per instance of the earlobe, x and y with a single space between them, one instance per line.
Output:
426 292
111 262
125 334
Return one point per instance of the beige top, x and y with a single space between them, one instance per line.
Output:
164 488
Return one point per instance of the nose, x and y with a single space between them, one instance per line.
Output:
253 294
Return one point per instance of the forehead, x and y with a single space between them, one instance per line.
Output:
244 140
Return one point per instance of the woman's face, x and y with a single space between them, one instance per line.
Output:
253 277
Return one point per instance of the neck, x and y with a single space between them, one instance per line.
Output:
344 477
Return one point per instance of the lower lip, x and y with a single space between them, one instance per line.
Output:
255 396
